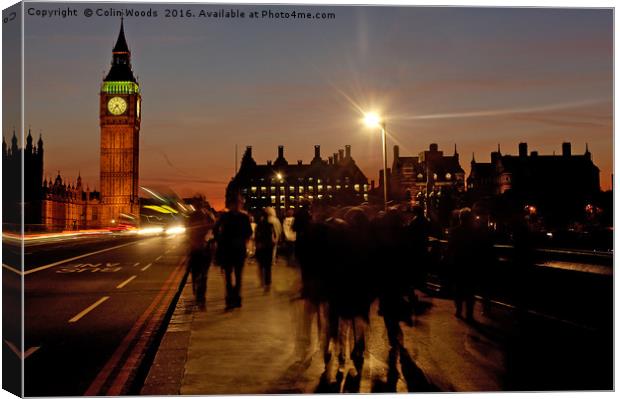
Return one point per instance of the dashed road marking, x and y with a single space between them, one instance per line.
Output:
146 267
124 283
88 309
136 264
159 257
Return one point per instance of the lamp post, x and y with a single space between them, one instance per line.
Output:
373 120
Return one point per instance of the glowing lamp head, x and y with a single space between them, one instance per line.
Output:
372 120
279 176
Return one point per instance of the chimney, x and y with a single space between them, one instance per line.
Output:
280 151
317 151
248 151
299 162
523 150
534 154
268 163
330 160
566 149
396 152
433 147
341 155
347 149
335 158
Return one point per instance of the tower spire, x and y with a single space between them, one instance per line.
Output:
121 42
121 60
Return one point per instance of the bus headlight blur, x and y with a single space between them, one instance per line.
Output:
175 230
150 230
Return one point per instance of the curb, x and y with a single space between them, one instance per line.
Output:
168 355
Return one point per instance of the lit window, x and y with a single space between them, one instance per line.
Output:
434 176
273 189
365 187
420 176
273 199
320 188
318 181
448 176
338 186
310 197
301 197
310 188
356 187
329 188
263 190
291 188
282 198
301 190
282 189
292 198
320 196
365 197
253 189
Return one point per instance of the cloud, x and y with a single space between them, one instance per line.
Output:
506 111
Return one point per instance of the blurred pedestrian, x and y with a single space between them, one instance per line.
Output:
232 232
264 241
464 261
277 229
200 223
289 236
359 281
390 260
418 231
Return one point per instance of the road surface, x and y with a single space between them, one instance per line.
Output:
92 307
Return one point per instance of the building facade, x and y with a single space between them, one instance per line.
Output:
412 178
119 119
283 186
558 186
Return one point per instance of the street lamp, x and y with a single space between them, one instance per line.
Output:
374 120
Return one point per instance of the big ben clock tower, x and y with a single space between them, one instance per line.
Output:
119 120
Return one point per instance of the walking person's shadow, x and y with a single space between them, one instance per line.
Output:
414 376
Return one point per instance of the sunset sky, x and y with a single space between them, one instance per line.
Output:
473 77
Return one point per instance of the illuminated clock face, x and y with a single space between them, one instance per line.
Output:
117 106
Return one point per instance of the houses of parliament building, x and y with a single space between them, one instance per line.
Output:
57 204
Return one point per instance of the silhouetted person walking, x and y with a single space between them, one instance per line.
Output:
464 260
390 261
232 232
418 231
264 240
200 222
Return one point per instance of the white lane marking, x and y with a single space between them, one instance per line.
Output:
88 309
38 269
136 264
124 283
159 257
146 267
19 354
14 270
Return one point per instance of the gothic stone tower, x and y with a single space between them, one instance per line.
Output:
119 120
